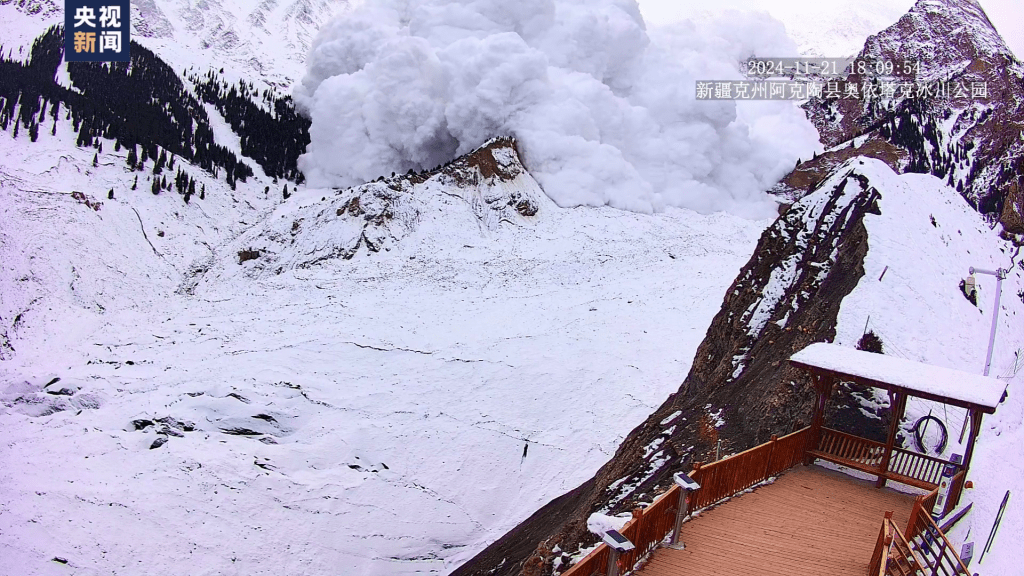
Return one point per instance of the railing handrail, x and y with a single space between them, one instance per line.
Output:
577 568
924 456
932 528
920 513
759 447
702 473
853 437
595 561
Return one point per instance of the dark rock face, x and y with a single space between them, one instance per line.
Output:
377 216
971 140
740 389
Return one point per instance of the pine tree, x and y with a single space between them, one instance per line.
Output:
191 186
135 185
133 158
95 159
156 186
33 131
202 193
117 145
110 195
286 194
16 125
187 197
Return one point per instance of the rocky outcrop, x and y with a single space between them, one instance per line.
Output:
490 182
740 389
971 135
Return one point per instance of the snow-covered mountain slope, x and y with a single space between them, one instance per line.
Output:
490 184
920 247
970 138
70 252
925 240
385 414
263 41
862 244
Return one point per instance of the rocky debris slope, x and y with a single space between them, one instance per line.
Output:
740 389
490 183
971 135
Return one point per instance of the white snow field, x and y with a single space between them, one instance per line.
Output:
920 314
385 403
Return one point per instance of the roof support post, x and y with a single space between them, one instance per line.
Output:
823 389
975 431
899 406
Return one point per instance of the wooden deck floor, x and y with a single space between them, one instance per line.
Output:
811 521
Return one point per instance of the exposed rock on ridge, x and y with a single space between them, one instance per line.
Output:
973 141
375 216
740 389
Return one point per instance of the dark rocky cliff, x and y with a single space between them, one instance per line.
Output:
740 389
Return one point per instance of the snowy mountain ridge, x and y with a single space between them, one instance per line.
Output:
248 421
484 189
974 139
265 41
412 367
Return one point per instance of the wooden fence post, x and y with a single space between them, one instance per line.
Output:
771 453
690 499
914 511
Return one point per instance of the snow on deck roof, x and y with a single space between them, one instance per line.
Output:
890 372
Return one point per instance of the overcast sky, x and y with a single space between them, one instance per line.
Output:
797 15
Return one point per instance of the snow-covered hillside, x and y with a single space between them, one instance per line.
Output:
384 379
388 414
920 247
264 41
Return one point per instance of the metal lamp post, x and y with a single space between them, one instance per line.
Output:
686 485
617 544
1000 274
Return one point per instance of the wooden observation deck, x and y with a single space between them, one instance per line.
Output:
810 520
823 521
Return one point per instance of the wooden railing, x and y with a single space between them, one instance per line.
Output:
894 555
954 494
645 530
911 468
734 474
922 546
915 469
850 450
931 544
649 527
718 480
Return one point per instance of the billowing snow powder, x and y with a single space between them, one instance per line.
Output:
604 110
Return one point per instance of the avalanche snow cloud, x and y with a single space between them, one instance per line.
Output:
604 110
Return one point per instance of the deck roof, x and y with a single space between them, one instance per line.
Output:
897 374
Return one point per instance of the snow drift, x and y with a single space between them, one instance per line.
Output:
604 110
